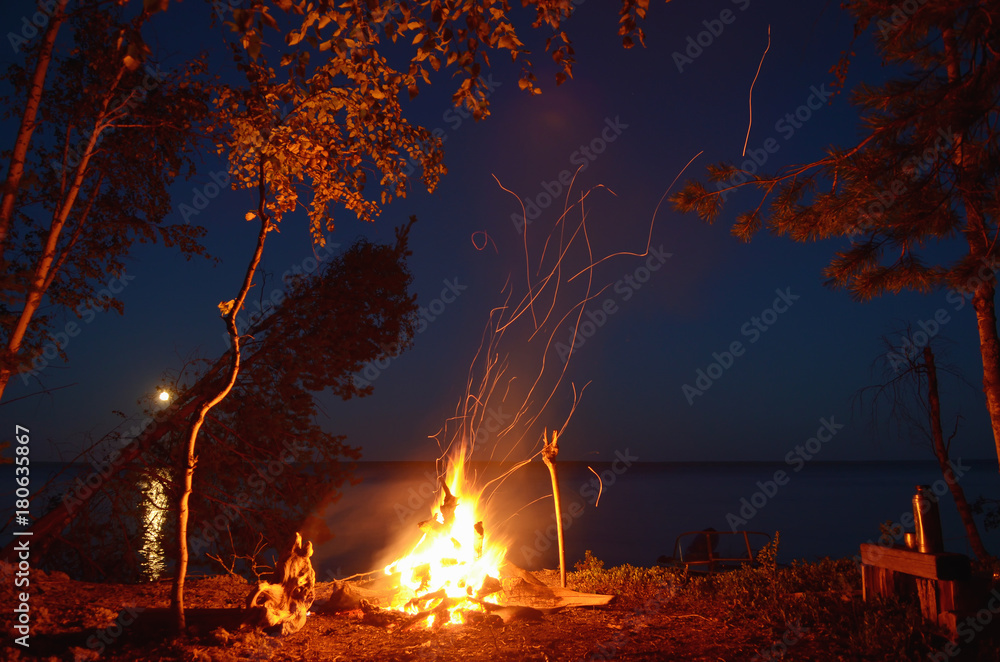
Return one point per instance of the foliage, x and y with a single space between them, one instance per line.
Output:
633 587
357 310
925 170
320 141
990 510
318 126
266 464
439 37
93 188
822 599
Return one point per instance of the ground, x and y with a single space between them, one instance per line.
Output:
82 621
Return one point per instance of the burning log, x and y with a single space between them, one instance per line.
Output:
440 612
477 546
287 599
456 571
447 510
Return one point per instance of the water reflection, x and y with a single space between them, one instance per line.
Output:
153 517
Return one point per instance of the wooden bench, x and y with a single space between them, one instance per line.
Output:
943 582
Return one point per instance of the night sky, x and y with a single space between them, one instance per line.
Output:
804 349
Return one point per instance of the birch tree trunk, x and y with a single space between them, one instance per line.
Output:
47 261
16 169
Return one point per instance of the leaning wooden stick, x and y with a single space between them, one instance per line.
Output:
549 453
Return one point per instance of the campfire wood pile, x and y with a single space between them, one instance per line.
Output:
517 595
406 594
286 600
411 593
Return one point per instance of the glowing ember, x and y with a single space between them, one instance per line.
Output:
446 573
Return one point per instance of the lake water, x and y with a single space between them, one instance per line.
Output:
824 509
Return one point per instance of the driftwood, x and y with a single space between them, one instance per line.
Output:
285 601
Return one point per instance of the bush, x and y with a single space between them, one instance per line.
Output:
633 587
823 597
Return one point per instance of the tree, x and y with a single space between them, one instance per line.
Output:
75 204
19 155
317 130
911 392
271 464
925 170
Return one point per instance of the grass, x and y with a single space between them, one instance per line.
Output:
823 598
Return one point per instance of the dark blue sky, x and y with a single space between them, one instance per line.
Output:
804 350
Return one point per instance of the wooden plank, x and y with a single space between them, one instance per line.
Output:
867 581
928 566
927 590
948 621
542 597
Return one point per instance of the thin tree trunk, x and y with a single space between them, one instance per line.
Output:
190 459
941 452
51 524
24 132
43 269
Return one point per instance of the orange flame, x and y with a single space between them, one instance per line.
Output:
446 570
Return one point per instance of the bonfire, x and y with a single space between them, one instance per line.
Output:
455 566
